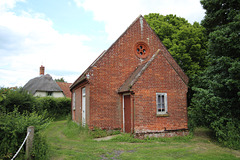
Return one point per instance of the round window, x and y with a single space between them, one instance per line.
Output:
141 50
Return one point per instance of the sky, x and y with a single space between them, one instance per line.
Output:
66 36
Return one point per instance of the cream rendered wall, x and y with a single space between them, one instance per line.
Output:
57 94
40 94
44 94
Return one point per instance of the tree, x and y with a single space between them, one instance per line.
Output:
219 13
217 99
187 43
60 80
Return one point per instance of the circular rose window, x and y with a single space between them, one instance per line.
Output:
141 50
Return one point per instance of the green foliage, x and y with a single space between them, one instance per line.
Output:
219 13
60 80
216 101
17 97
13 127
56 107
187 43
98 133
225 41
40 148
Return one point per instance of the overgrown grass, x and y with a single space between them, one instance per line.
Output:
130 139
70 141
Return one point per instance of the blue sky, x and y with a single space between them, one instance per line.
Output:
66 36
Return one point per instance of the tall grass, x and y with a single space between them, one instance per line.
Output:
76 131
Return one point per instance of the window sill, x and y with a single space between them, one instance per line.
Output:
163 115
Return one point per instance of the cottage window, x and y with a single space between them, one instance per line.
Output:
49 93
161 99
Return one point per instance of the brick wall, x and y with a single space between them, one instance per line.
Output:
77 113
111 71
160 77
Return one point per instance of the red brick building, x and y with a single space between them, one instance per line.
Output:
135 85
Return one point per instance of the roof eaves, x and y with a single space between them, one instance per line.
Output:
83 75
79 80
144 68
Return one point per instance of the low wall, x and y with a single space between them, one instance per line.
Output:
166 133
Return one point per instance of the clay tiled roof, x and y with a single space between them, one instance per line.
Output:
66 88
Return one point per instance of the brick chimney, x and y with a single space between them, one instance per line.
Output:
42 70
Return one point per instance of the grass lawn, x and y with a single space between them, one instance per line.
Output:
67 141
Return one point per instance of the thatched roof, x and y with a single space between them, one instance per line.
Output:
42 83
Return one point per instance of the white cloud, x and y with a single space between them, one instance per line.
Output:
118 15
29 40
8 4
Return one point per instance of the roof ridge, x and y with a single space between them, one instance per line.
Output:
80 78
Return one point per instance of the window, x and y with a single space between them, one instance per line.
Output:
74 105
161 99
49 93
141 50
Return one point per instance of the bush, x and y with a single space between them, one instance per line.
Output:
21 99
227 132
63 106
40 148
56 107
13 127
12 98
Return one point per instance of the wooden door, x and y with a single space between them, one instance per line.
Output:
127 113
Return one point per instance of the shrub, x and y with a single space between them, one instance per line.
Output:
12 98
13 127
56 107
63 106
40 148
227 132
21 99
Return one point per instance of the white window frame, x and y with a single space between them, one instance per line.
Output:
159 103
74 103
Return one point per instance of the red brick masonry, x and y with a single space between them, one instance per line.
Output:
119 71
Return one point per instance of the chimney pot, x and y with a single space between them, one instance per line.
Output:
42 68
